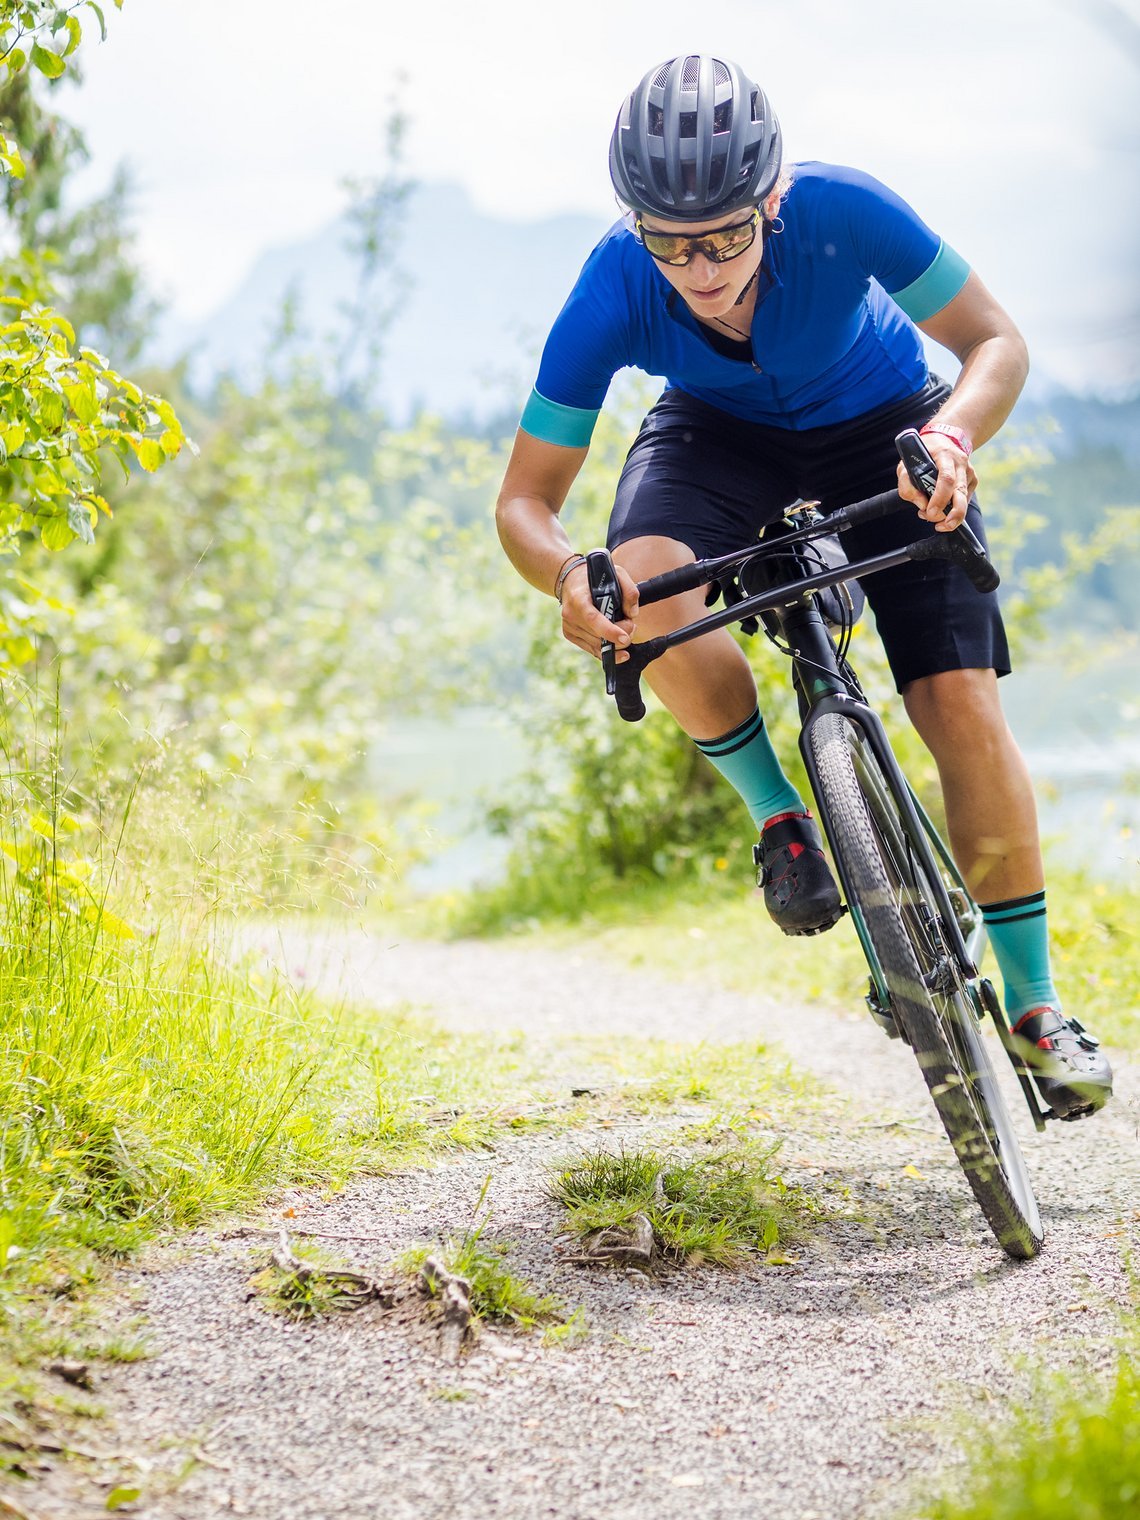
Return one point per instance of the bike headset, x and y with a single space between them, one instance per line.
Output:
696 139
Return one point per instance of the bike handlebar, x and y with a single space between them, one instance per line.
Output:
623 681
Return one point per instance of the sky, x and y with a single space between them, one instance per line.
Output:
1013 126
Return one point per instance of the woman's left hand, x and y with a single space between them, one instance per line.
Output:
956 483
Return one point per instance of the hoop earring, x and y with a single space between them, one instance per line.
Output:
776 224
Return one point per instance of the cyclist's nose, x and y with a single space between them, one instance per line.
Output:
705 272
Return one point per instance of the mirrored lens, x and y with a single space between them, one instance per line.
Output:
726 243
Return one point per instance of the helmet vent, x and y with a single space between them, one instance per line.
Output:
690 73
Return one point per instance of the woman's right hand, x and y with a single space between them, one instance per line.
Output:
585 626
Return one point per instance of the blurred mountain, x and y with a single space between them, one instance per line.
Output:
480 295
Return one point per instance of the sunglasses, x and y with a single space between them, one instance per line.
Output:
720 246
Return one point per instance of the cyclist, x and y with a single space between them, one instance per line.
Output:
782 304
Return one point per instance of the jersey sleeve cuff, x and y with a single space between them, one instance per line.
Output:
936 287
550 421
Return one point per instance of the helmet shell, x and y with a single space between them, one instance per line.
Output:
695 140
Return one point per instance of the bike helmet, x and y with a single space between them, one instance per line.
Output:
696 139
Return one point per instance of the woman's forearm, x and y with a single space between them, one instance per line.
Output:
534 539
992 375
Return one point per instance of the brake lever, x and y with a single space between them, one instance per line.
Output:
923 472
606 595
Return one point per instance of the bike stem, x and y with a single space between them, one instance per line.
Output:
781 596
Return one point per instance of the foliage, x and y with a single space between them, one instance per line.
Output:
375 216
63 408
150 1073
1074 1451
60 408
244 630
717 1207
41 35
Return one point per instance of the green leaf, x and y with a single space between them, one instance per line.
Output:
64 326
79 521
48 63
170 443
12 163
148 452
57 533
122 1495
16 60
74 34
52 409
100 18
84 401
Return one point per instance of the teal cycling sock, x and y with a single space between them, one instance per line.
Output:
1019 933
746 759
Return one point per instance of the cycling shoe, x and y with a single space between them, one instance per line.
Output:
1072 1074
799 890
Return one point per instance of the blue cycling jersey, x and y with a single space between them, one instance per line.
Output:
833 334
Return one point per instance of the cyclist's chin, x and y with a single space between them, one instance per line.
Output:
711 303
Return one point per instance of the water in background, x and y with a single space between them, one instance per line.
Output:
1080 732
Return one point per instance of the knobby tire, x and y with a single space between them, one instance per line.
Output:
886 887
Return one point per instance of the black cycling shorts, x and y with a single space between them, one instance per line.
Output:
712 481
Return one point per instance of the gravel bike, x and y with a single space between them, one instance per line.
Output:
920 930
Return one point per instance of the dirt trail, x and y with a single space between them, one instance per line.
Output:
813 1391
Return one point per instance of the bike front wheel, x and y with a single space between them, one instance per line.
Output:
896 911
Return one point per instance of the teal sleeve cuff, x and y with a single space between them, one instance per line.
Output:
571 426
936 287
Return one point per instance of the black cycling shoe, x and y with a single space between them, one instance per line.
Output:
1072 1074
799 889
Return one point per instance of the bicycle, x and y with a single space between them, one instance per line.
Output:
920 930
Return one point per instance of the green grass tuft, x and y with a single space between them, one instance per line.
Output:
719 1207
497 1295
311 1291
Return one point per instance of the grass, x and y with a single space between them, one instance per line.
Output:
150 1080
719 1207
311 1289
497 1294
1074 1451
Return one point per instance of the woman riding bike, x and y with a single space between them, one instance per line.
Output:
782 301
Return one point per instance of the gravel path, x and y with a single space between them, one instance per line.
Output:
816 1390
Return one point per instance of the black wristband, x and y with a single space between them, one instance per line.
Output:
567 566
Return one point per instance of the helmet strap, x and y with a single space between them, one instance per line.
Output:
748 286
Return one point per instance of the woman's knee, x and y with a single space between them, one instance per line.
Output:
643 558
956 707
